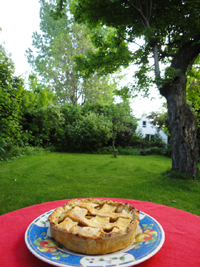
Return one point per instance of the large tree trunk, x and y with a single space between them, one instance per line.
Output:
182 120
183 128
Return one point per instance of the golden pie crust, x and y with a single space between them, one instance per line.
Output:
94 226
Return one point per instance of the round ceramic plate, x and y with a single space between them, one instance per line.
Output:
147 243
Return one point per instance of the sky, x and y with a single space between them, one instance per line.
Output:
19 19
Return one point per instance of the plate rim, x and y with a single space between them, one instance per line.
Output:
124 264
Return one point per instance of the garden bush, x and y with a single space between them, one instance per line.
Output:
15 152
156 151
128 151
40 125
151 151
105 150
90 133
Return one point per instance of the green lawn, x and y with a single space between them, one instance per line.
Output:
35 179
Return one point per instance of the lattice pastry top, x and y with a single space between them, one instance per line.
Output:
94 226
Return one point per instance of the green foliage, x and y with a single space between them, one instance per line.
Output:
138 19
11 89
121 125
96 107
90 133
152 151
164 29
192 89
112 53
16 151
41 94
33 118
124 92
160 119
121 116
105 150
128 151
89 128
143 143
60 41
41 115
122 121
71 113
40 125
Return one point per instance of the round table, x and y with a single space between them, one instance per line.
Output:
180 249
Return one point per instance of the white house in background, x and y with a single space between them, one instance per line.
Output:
149 130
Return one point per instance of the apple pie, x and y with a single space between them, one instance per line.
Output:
94 226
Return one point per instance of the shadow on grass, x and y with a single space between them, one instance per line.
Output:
178 181
181 176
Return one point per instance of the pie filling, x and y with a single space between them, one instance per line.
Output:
94 226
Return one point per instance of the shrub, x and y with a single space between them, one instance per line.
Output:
124 138
105 150
40 125
16 152
127 151
90 133
151 151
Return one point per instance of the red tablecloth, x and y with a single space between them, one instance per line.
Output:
181 247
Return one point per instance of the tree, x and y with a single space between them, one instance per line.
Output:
171 36
60 40
121 118
160 119
38 95
11 89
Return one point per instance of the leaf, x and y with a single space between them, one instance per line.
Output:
150 241
145 226
37 241
122 258
137 246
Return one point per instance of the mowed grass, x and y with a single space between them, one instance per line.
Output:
41 178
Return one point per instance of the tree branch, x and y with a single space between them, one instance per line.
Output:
186 54
147 11
138 8
150 9
129 40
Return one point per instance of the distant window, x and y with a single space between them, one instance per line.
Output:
152 137
144 124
